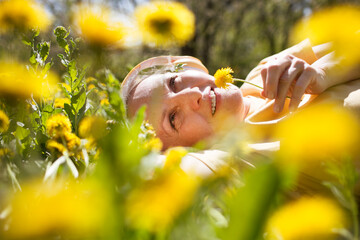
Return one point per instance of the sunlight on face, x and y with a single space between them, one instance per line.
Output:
186 107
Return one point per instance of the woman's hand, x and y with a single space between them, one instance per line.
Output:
289 76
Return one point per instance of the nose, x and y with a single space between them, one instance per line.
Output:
188 97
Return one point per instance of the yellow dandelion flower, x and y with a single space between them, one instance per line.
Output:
42 209
58 125
97 27
92 127
54 146
90 86
13 75
308 218
173 157
60 102
223 77
320 132
72 142
164 23
154 144
104 102
156 205
4 122
339 25
23 14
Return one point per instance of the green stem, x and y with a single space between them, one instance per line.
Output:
244 81
253 84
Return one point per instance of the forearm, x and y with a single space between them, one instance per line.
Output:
335 72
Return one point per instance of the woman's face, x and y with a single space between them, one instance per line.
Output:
186 107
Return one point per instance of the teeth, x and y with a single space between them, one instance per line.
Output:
213 102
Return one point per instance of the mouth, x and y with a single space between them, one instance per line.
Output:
213 101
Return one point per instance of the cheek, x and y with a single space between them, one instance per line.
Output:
194 129
232 101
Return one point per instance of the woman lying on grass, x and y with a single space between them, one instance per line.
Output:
185 105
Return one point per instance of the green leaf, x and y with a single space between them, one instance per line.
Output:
64 61
69 111
26 42
111 80
47 67
21 133
250 205
61 32
44 50
81 76
48 108
32 59
72 70
114 99
79 99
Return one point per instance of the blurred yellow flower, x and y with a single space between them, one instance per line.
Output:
104 102
70 207
89 80
58 125
223 77
339 25
97 27
153 144
173 157
72 142
165 23
54 146
92 127
322 131
91 86
5 152
4 122
60 102
22 15
310 218
13 75
156 205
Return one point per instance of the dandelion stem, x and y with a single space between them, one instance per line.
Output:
253 84
244 81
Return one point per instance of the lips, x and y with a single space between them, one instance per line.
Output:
213 101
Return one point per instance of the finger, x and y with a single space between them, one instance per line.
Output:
263 77
273 74
299 89
285 81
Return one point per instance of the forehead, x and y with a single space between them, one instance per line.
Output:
149 92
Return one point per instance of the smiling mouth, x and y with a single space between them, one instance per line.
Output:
213 101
